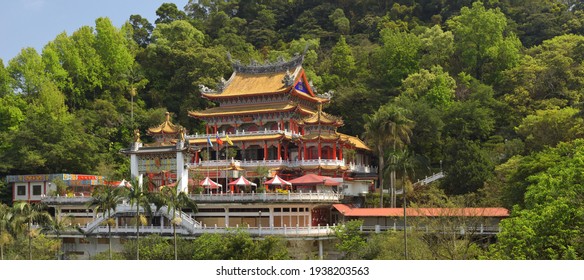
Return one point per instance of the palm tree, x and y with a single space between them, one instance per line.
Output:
27 213
140 197
175 201
387 127
57 226
106 199
6 219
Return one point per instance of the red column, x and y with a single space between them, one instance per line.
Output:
197 157
341 153
279 150
215 129
265 150
319 149
286 152
335 151
207 128
305 151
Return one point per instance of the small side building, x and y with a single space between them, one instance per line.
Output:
32 188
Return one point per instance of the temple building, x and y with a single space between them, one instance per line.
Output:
270 162
273 120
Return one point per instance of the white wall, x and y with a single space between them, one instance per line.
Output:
29 190
355 187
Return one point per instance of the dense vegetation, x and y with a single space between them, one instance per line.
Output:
492 92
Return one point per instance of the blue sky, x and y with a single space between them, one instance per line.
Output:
33 23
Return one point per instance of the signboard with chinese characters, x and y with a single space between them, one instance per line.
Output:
156 163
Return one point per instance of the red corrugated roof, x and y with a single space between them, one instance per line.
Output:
421 212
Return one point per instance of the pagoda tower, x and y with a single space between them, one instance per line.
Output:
272 116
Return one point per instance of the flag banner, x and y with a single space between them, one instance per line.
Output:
209 141
219 141
228 140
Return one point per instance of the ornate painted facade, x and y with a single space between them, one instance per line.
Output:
273 119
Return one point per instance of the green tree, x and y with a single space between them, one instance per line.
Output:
139 196
435 86
351 240
4 80
341 22
389 245
482 42
142 29
105 200
168 12
549 225
58 225
388 129
397 58
152 247
549 127
342 64
27 72
437 47
113 48
427 139
27 214
548 76
175 201
467 165
6 226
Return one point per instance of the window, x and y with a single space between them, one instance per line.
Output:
21 190
36 190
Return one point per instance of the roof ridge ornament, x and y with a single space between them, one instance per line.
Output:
205 89
255 67
327 95
288 80
222 84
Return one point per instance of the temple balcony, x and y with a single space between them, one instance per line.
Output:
326 197
219 197
243 133
359 168
273 163
67 200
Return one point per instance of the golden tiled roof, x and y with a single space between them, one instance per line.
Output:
241 84
323 118
166 127
250 109
358 143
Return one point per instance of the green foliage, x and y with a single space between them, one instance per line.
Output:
482 43
151 247
72 107
549 127
395 59
549 226
351 240
437 47
435 86
390 246
238 245
468 166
